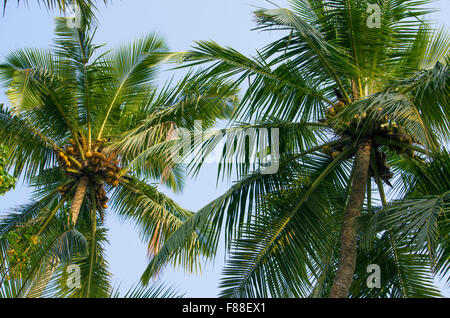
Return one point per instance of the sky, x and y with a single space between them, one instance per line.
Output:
181 23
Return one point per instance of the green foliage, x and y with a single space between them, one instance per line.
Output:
333 81
21 243
59 4
76 111
7 182
326 83
420 220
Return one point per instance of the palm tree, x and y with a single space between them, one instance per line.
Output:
349 101
86 7
78 120
61 5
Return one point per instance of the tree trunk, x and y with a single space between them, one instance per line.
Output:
348 251
78 199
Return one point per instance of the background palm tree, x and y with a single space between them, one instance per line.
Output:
354 104
76 114
86 7
61 5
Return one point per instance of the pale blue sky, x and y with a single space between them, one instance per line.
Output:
180 22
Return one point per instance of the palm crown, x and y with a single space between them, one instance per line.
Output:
86 127
347 99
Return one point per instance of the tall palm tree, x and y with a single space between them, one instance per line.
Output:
348 100
76 115
7 181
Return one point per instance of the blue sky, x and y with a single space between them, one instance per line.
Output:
180 23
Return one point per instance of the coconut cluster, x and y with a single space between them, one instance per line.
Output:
384 128
100 168
334 151
383 168
334 110
398 134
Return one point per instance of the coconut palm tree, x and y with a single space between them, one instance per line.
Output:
349 99
61 5
86 7
72 111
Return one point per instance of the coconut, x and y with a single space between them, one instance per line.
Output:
34 239
410 153
327 150
330 112
402 138
339 106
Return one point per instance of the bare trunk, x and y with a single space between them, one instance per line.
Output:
78 199
348 251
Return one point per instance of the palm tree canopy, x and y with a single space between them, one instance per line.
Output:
85 126
329 83
61 5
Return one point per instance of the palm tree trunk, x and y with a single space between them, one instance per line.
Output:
348 251
78 199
